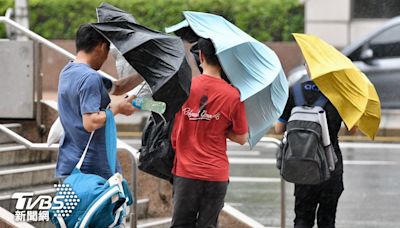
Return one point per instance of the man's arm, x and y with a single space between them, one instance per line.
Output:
280 127
241 139
239 131
351 131
94 121
125 85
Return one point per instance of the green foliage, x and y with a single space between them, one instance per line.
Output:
4 5
266 20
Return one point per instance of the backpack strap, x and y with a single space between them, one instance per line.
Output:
117 186
298 94
299 99
61 222
97 205
321 101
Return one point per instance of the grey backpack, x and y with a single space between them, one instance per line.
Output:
303 158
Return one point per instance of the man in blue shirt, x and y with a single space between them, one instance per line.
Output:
82 99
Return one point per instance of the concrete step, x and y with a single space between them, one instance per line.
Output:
9 204
154 223
142 208
13 177
42 224
48 189
7 220
14 127
15 154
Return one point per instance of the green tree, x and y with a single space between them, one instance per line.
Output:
266 20
4 5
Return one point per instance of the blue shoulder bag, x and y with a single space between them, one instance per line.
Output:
90 200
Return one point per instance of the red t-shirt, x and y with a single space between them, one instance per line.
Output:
200 127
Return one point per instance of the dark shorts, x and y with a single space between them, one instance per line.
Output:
319 199
197 203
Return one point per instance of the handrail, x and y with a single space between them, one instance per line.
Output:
121 146
283 187
46 42
8 218
135 159
8 14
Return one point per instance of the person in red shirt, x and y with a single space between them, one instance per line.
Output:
212 113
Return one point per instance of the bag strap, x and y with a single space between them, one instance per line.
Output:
298 94
61 222
98 203
120 188
111 140
79 165
299 99
321 102
111 143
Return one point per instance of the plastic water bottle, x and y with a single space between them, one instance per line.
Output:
148 104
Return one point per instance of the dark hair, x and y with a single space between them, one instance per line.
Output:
207 48
87 38
187 34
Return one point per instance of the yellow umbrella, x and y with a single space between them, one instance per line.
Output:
346 87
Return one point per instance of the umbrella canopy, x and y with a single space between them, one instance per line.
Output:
250 65
348 89
159 58
106 12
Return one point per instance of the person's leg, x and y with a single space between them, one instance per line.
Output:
186 200
328 202
211 204
306 201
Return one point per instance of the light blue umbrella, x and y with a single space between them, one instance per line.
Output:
250 65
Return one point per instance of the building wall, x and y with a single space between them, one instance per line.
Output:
333 22
53 62
328 20
361 27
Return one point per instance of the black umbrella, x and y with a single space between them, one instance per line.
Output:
107 12
158 57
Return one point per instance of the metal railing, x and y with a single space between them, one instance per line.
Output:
121 146
44 41
277 143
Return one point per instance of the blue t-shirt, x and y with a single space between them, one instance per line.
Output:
81 90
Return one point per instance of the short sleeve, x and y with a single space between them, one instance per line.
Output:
107 83
288 108
90 94
239 121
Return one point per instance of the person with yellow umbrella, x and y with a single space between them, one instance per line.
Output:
351 98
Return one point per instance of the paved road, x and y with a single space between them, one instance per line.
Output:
372 185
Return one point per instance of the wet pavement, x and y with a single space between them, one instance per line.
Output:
371 198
